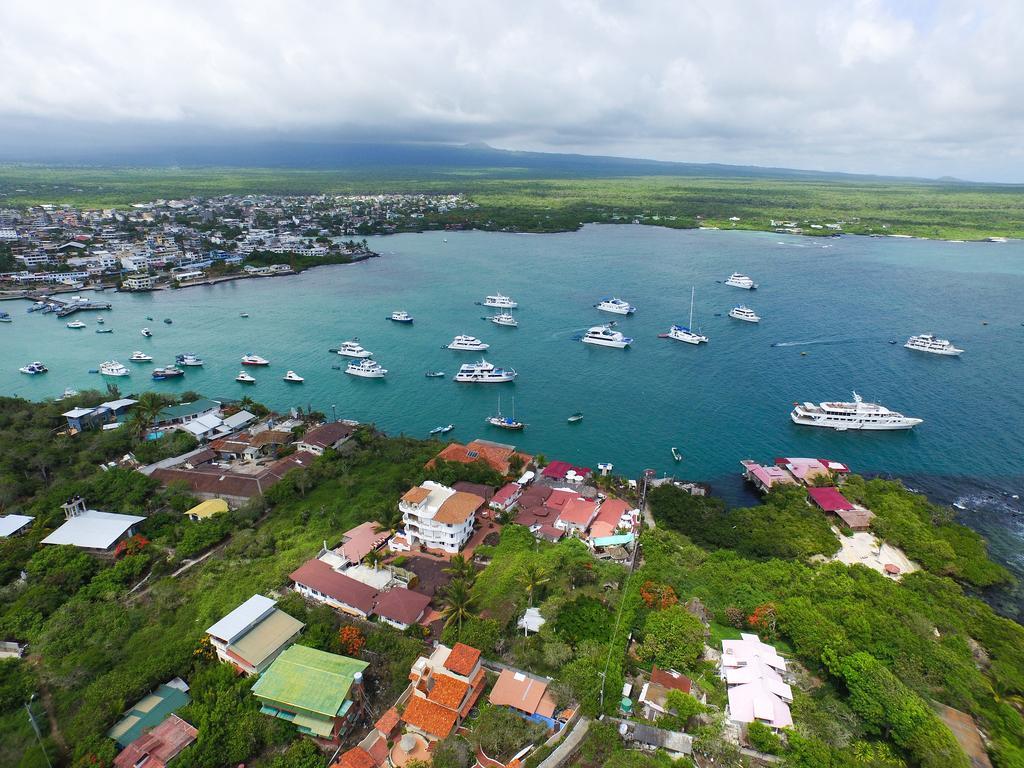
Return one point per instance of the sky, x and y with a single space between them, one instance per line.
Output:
865 86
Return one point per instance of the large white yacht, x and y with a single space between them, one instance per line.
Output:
606 336
737 280
744 313
32 369
615 306
855 415
926 342
484 373
500 301
368 369
254 360
686 333
468 344
113 368
504 319
353 349
141 357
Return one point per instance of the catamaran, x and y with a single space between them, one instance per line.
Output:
33 369
615 306
685 333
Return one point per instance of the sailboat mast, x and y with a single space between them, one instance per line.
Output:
690 326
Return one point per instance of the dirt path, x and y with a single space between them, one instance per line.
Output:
51 711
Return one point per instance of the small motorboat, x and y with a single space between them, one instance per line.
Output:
149 318
190 359
245 378
104 330
442 430
168 320
576 418
254 360
401 316
676 455
76 324
434 374
100 321
335 367
33 368
168 372
67 394
293 377
243 314
5 318
146 332
140 357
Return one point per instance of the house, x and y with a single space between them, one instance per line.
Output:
614 515
254 634
485 492
438 517
443 688
525 694
764 478
807 471
401 607
753 675
831 501
563 471
332 435
321 693
234 485
80 419
318 581
139 282
204 510
186 412
675 743
92 530
203 427
150 711
360 541
577 515
506 498
156 748
653 696
496 455
14 525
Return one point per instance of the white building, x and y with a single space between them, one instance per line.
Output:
139 282
437 517
91 529
753 674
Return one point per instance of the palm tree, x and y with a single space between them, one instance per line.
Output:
457 604
461 569
146 411
532 578
375 557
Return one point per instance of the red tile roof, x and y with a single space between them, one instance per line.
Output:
495 454
462 660
557 470
318 575
401 605
669 678
357 757
163 744
429 717
523 692
387 722
829 499
447 691
579 512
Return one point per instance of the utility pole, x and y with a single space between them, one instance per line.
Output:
35 728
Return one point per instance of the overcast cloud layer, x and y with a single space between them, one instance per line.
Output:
895 88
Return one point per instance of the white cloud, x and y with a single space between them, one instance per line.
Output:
885 87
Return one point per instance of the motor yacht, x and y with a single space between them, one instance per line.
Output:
140 357
293 377
500 301
113 368
167 372
484 373
615 306
76 324
504 319
744 313
401 316
244 378
254 360
855 415
189 359
606 336
737 280
926 342
33 368
353 349
146 332
468 344
368 369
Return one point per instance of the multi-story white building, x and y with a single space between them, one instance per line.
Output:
141 282
437 517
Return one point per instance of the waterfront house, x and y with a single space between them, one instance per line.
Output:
254 634
763 477
92 530
443 688
156 748
807 471
186 412
527 695
753 672
331 435
506 498
139 282
80 419
831 501
438 517
14 525
204 510
496 455
563 471
320 693
150 711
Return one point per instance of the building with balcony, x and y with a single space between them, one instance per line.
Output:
437 517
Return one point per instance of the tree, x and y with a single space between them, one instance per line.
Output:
457 605
500 733
532 579
673 638
461 569
351 641
681 706
763 739
375 557
765 619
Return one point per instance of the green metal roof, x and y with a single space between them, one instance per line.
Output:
149 712
187 409
306 679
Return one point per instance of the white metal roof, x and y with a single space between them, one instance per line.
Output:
240 419
76 413
11 524
116 405
93 529
240 620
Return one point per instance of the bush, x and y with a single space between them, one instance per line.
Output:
763 739
500 733
672 638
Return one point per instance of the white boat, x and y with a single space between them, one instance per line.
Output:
189 359
737 280
442 430
468 344
33 368
401 316
140 357
505 422
855 415
504 319
245 378
606 336
76 324
100 321
67 394
243 314
676 455
293 377
926 342
368 369
353 349
744 313
500 301
146 332
113 368
615 306
685 333
254 360
484 373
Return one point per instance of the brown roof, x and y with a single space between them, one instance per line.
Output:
272 437
462 659
534 495
521 691
387 721
669 678
429 717
203 457
220 482
162 744
401 605
235 444
357 757
447 691
327 435
495 454
318 575
484 491
416 495
458 508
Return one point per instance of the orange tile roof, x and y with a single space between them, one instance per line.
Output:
462 659
578 511
387 722
416 495
458 507
497 456
429 717
521 691
447 691
357 757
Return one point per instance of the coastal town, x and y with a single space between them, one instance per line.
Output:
177 243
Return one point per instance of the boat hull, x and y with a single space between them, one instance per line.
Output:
950 352
380 374
860 426
469 347
687 337
607 343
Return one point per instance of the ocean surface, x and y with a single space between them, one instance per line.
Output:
839 300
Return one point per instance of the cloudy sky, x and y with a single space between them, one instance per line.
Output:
877 86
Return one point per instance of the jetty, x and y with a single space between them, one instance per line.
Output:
76 304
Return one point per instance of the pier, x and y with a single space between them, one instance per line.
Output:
64 308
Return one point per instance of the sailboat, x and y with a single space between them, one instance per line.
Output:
687 334
504 422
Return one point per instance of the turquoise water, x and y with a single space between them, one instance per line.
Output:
839 300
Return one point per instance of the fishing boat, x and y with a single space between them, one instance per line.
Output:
254 360
434 374
245 378
104 330
76 324
140 357
442 430
33 369
293 377
367 369
146 332
505 422
504 319
400 316
686 333
167 372
576 418
113 368
468 344
676 455
189 359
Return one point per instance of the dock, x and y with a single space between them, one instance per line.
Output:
64 308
